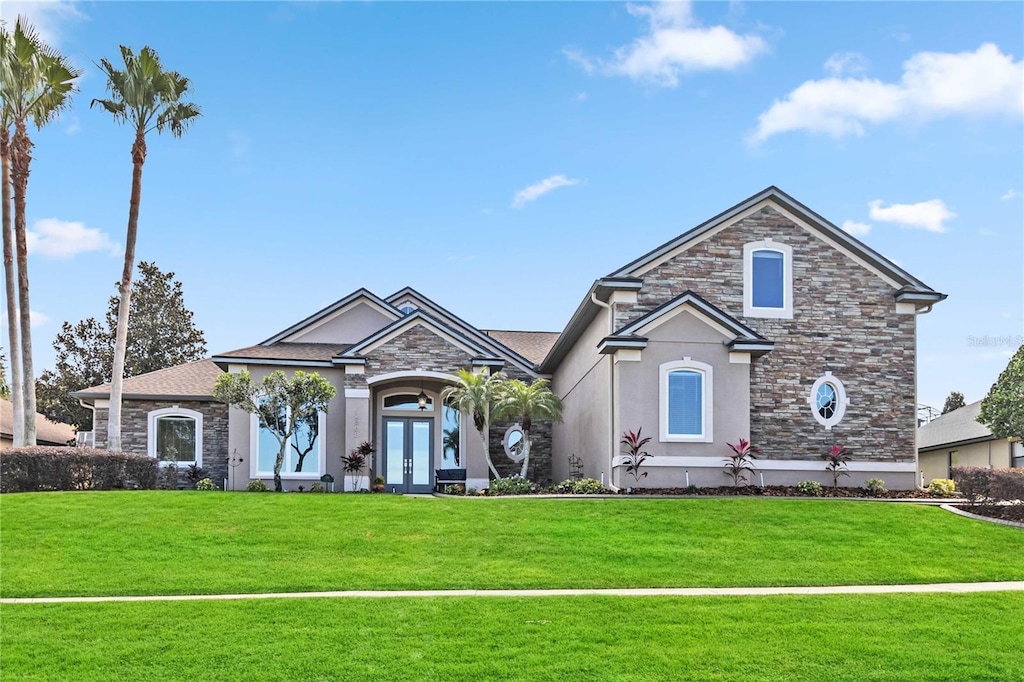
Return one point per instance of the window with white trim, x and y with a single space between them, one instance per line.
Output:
686 399
303 454
175 434
828 400
767 279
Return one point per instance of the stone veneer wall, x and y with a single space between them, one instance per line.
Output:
844 320
135 430
420 348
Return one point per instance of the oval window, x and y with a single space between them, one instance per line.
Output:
828 400
514 442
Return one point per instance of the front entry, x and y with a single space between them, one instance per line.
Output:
408 454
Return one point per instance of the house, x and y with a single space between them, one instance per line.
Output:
47 432
958 439
765 322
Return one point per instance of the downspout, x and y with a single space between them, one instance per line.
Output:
611 392
91 408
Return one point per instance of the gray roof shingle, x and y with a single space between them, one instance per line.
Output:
957 426
533 346
47 432
191 380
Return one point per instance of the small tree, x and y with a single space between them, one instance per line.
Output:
355 461
954 401
739 464
521 401
1002 410
279 402
835 464
472 394
635 455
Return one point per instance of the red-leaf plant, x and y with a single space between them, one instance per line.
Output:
835 464
740 461
633 445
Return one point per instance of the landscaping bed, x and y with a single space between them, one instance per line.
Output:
794 491
1004 512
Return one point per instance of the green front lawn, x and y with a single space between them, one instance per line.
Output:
101 543
863 638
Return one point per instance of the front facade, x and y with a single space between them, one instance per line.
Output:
767 323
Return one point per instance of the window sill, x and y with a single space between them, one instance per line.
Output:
669 438
771 313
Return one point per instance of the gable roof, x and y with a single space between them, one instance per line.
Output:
495 346
283 353
533 346
338 305
357 351
191 381
47 432
959 427
688 298
812 219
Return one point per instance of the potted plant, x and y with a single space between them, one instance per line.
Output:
378 484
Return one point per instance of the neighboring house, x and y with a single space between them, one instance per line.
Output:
766 322
958 439
47 432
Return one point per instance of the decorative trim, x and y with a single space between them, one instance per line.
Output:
726 324
749 309
504 442
612 344
357 393
153 416
411 374
707 401
339 306
221 361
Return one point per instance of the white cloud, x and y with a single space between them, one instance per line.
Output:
673 44
47 17
985 82
539 189
927 215
855 228
1010 195
55 238
846 63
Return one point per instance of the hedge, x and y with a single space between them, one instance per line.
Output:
71 468
979 484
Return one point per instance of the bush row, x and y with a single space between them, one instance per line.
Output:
979 484
71 468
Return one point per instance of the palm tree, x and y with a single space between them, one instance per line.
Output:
473 394
524 402
36 84
147 97
6 121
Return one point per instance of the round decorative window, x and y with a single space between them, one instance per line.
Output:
513 443
828 400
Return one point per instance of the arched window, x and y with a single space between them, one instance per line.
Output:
686 400
767 279
175 434
828 400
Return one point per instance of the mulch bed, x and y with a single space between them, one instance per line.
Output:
1006 512
790 491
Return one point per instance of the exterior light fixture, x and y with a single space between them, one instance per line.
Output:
422 400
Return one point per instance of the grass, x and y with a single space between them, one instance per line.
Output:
863 638
99 543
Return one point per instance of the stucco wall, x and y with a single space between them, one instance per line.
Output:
351 326
844 320
583 381
990 454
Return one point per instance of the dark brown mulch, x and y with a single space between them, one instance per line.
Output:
1006 512
788 491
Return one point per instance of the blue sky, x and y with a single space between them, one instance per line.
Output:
494 155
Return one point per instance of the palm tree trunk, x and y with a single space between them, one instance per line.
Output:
13 342
526 452
124 307
487 454
21 158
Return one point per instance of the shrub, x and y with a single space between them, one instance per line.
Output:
739 464
472 491
875 486
942 486
257 486
1008 484
587 486
194 474
974 483
812 488
514 485
454 489
564 488
72 468
206 484
169 476
835 463
635 455
317 488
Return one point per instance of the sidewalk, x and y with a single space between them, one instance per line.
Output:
610 592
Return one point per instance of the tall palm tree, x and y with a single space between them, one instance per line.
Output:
147 97
37 83
472 394
524 402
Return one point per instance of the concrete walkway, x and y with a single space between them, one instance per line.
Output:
1016 586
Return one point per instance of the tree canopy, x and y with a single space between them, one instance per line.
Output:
1002 410
954 401
162 334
